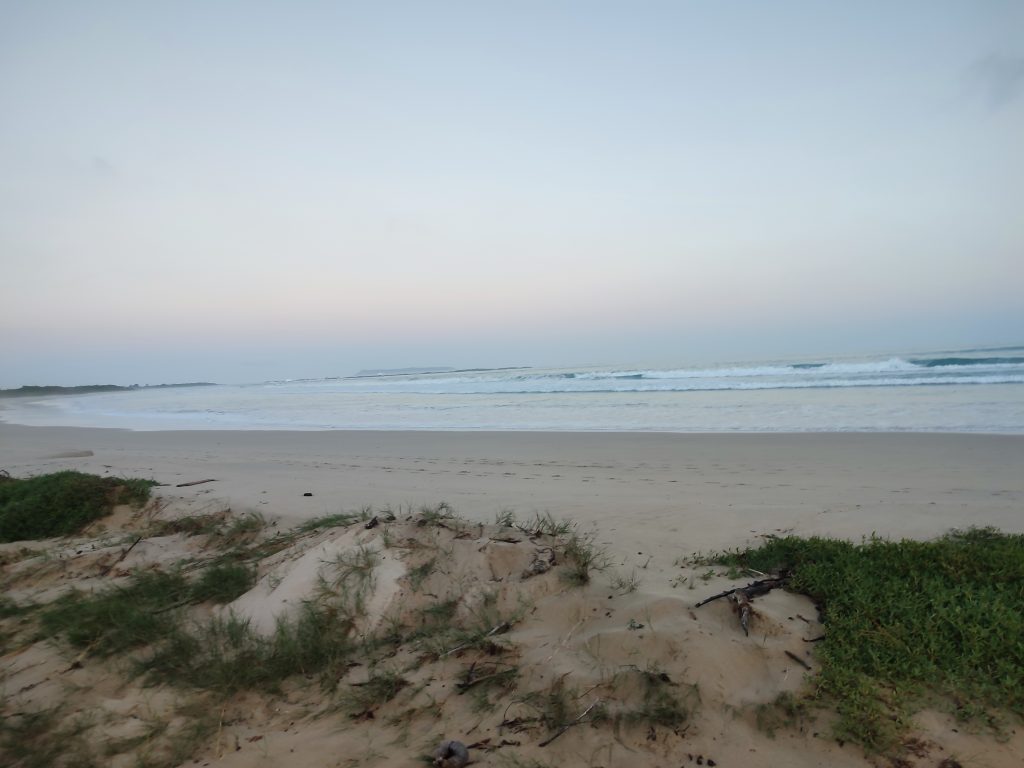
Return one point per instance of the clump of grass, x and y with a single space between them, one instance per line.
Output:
908 624
120 618
583 556
190 525
9 608
62 503
241 528
338 520
661 703
420 573
227 655
623 584
554 706
545 525
380 688
42 738
505 518
222 583
483 679
436 515
352 579
139 613
787 711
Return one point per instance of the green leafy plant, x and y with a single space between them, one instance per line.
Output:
910 624
62 503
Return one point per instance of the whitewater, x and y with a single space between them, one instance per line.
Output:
961 391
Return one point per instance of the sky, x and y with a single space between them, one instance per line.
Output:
243 191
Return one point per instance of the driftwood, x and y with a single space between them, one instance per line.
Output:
196 482
753 589
742 596
124 554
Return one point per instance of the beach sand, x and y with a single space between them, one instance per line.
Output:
662 494
650 499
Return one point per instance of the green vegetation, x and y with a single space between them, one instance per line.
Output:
227 655
339 520
909 624
141 612
62 503
222 583
40 739
661 703
583 556
380 688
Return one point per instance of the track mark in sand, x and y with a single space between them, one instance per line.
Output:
70 455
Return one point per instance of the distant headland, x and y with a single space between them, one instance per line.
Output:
29 391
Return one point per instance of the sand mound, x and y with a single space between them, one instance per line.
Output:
525 642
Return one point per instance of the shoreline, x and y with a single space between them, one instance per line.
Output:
663 494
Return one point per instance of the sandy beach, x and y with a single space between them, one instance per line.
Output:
651 500
663 494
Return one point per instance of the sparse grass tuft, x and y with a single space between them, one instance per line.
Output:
624 585
661 703
62 503
910 624
41 739
545 525
420 573
436 515
352 580
583 556
787 711
340 520
506 518
381 687
241 529
190 525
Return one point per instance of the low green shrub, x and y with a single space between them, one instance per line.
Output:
62 503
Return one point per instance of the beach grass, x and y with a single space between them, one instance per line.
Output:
62 503
909 625
121 618
141 612
226 655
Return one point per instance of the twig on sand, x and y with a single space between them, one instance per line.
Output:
567 726
124 554
798 660
196 482
503 627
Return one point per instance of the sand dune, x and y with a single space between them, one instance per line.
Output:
629 636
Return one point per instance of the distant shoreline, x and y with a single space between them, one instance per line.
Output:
86 389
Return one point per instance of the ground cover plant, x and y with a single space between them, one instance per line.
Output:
62 503
910 624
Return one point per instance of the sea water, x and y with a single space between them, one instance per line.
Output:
963 391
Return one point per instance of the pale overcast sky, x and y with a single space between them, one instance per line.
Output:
238 191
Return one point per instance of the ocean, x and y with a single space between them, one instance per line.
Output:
978 390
